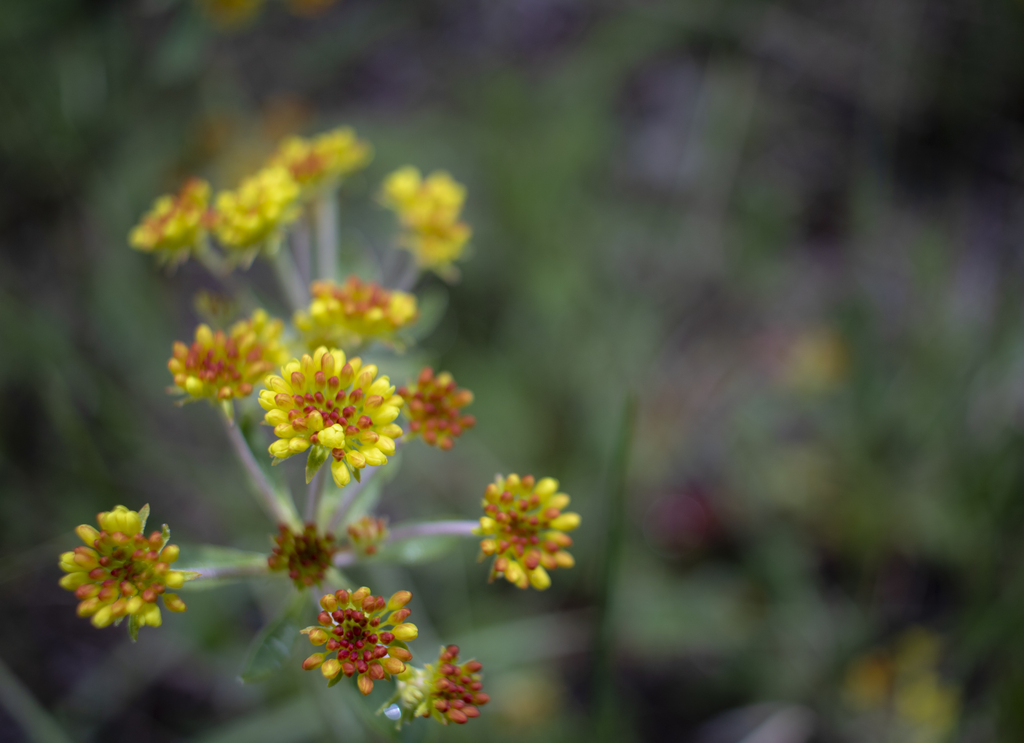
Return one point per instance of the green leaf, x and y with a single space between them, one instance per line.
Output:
133 627
165 535
317 456
417 549
144 515
273 645
356 474
335 680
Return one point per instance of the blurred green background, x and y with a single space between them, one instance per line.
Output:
791 229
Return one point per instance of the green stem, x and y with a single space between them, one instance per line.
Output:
230 571
289 278
326 211
460 528
603 699
268 498
314 493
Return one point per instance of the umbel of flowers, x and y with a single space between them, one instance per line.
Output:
525 529
306 555
176 225
338 405
428 210
448 691
223 366
434 408
355 629
121 573
320 162
353 313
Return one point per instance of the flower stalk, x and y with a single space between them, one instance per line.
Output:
268 499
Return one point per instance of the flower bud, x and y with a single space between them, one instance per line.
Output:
393 665
87 534
566 522
406 632
314 661
398 600
540 579
365 684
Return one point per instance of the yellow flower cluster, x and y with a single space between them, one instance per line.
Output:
352 625
525 530
346 316
429 212
322 400
321 160
176 225
254 215
904 680
120 572
226 365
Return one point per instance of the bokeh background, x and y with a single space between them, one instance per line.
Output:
789 229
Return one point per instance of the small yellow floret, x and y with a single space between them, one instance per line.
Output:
322 160
353 313
255 214
176 225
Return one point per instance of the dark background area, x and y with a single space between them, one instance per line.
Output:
792 229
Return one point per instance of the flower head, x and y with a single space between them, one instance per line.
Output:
352 625
353 313
226 365
255 214
367 533
433 408
322 160
525 529
448 692
428 210
306 555
322 400
176 225
121 572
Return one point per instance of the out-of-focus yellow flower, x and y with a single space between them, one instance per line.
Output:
525 529
230 13
255 214
367 533
322 400
226 365
904 680
428 210
352 625
121 572
320 161
433 408
176 225
358 311
448 692
817 361
306 555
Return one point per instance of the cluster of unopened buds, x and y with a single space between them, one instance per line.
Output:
434 408
329 404
365 634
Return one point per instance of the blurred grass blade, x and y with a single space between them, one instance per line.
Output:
603 709
37 723
273 645
296 720
236 564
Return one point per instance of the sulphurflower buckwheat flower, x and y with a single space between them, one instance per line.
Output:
255 214
223 366
120 572
525 530
428 210
367 533
324 400
322 160
448 692
357 311
433 408
306 555
352 625
176 225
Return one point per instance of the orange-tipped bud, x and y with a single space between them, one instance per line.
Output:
329 603
393 665
365 684
314 661
330 668
398 600
400 653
